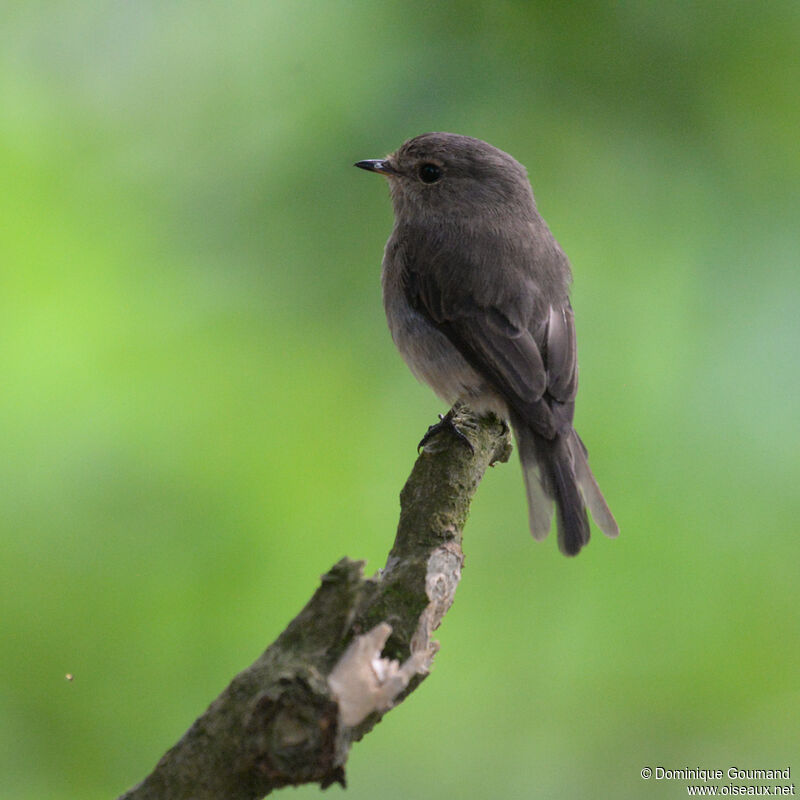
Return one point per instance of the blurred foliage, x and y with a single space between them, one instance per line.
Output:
201 409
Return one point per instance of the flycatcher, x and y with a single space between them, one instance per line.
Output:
476 292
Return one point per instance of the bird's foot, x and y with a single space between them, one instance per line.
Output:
446 423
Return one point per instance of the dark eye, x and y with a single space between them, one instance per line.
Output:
430 173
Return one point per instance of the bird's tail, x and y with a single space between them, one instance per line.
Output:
557 473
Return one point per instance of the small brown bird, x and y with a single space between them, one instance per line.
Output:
476 292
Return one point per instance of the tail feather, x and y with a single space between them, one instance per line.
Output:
573 521
601 513
540 499
557 472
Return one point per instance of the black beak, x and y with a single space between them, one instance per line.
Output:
377 165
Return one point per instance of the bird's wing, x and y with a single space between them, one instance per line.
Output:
500 345
561 354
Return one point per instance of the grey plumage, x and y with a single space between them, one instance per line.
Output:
476 292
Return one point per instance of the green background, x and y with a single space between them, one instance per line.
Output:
201 409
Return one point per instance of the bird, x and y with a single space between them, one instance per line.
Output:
476 295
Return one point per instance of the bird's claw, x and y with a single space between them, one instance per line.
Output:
445 423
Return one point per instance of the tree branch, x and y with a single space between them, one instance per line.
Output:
359 647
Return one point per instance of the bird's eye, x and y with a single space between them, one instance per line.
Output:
430 173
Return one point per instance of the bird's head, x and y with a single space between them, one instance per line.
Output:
438 175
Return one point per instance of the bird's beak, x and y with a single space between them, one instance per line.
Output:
381 165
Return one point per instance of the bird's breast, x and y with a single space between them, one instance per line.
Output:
429 354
